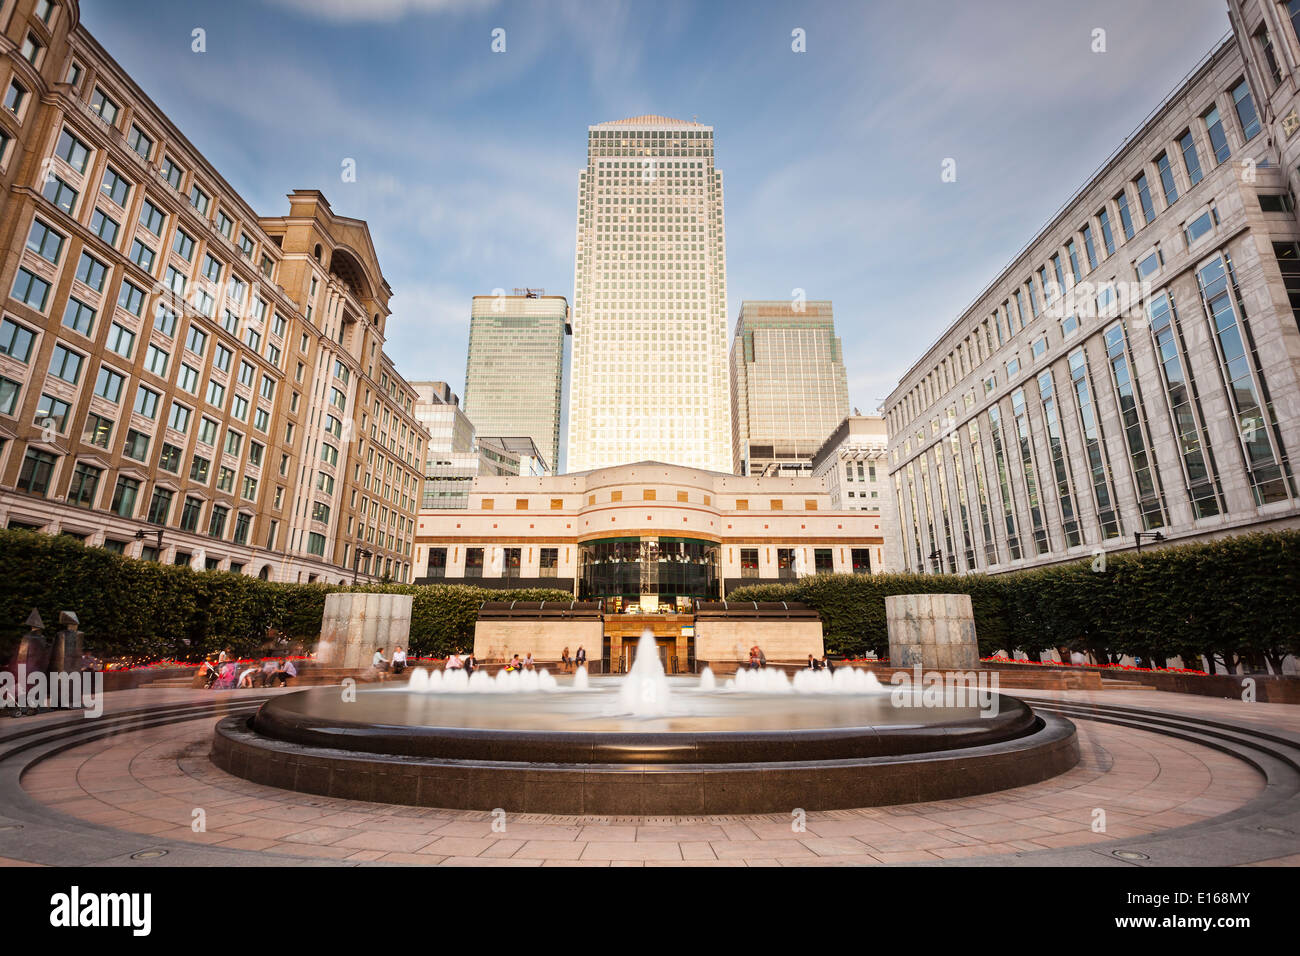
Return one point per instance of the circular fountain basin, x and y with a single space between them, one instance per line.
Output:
579 751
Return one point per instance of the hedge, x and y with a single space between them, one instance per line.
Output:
1232 598
141 609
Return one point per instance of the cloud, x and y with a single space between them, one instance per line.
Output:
380 11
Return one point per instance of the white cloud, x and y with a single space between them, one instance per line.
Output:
345 11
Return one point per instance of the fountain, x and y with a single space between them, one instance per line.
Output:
762 741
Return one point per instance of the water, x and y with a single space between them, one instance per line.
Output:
481 682
580 678
644 692
707 681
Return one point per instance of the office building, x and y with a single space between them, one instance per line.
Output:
649 376
1133 376
788 386
514 374
183 379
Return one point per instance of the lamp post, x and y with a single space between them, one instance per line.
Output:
936 560
142 534
356 561
1139 535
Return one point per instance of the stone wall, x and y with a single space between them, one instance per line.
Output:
496 640
935 630
355 624
780 640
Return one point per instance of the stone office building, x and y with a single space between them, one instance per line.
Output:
1136 370
182 379
649 535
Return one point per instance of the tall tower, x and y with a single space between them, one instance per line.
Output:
789 390
514 370
649 378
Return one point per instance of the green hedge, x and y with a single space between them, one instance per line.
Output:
131 608
1233 598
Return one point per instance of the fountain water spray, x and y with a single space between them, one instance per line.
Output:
644 691
707 680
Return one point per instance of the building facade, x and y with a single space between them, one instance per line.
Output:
648 534
514 374
649 376
789 389
854 460
181 379
1136 370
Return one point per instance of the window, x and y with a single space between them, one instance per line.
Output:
1245 106
16 340
131 298
85 481
234 441
208 432
172 173
169 459
137 445
1191 162
316 545
1200 226
91 272
1149 265
199 200
160 506
15 96
105 107
9 390
115 187
196 341
1039 348
473 562
31 49
156 361
45 10
108 385
1089 247
60 193
104 226
246 245
200 469
329 454
216 394
146 402
1125 217
36 472
225 479
65 364
1144 198
72 151
52 412
188 378
211 267
224 224
164 320
1218 139
142 255
31 290
217 521
183 245
190 514
179 418
823 560
152 218
45 242
1167 179
222 358
124 496
243 522
98 431
139 141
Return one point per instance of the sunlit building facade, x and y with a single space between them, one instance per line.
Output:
649 370
1134 375
789 389
182 379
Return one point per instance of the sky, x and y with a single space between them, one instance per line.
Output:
467 159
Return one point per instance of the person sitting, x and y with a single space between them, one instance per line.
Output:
828 664
528 661
470 664
453 662
514 665
565 662
268 671
247 675
283 672
753 658
399 661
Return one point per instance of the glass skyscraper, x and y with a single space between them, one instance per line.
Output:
514 372
649 378
789 390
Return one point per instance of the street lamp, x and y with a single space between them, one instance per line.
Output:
143 533
936 560
356 561
1139 535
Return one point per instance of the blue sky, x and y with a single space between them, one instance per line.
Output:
467 160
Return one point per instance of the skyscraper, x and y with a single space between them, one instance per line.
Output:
649 378
789 390
514 372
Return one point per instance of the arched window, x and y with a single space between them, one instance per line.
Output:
317 252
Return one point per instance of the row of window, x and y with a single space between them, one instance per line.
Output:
1046 286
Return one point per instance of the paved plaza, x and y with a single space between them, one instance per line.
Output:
134 793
